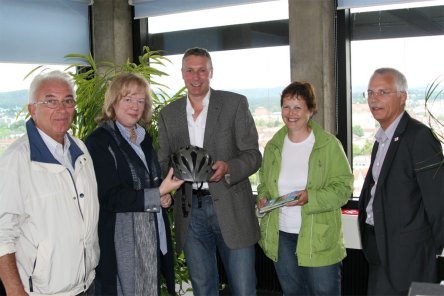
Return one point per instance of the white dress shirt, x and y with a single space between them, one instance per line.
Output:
196 128
62 155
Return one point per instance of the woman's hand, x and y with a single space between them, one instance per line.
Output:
302 200
261 202
170 183
165 200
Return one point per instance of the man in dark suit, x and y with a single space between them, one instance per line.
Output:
402 200
220 215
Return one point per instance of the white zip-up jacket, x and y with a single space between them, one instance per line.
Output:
41 221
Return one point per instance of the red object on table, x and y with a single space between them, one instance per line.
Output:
350 212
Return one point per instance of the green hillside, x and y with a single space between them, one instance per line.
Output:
13 99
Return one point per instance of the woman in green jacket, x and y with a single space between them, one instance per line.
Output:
304 238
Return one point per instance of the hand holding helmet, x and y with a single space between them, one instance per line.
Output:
169 183
220 170
192 164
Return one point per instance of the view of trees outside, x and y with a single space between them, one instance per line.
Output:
259 74
14 99
10 127
419 59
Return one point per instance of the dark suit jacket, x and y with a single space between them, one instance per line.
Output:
230 136
408 207
116 195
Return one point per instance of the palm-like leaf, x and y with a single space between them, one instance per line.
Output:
434 100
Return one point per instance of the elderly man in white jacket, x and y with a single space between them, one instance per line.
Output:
48 200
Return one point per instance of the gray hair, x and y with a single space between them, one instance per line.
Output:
400 80
199 52
55 75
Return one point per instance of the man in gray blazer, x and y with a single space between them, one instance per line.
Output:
220 215
401 206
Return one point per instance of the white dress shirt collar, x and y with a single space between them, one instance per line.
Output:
60 152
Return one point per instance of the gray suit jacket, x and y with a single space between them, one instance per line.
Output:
230 136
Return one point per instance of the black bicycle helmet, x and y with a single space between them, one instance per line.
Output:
192 163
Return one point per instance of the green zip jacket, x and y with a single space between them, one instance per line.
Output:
329 186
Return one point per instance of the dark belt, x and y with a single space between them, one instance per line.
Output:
200 193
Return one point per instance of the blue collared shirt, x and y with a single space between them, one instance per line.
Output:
384 138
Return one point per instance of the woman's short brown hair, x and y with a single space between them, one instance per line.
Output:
303 90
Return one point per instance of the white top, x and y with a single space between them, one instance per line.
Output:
293 177
196 128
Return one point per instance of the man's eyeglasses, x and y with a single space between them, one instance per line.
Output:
54 104
380 93
129 101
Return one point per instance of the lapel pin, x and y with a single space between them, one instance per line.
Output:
396 139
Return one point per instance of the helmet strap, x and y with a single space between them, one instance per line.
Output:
199 196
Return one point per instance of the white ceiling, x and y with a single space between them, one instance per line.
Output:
149 8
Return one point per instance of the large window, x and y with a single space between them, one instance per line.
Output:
240 71
410 40
250 55
33 33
